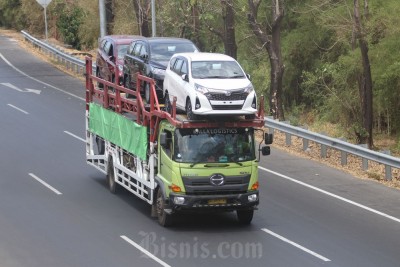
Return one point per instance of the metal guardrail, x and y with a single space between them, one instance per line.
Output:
344 147
72 63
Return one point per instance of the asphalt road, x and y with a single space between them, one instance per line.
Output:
57 211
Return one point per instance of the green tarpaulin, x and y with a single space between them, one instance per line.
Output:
118 130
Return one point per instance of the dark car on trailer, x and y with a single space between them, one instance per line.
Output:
150 57
110 54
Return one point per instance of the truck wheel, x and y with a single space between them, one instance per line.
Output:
112 185
245 216
164 219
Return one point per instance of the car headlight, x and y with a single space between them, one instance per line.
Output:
157 71
201 89
248 89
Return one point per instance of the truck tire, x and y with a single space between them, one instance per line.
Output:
112 185
245 216
164 219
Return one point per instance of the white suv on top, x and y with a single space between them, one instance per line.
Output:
208 84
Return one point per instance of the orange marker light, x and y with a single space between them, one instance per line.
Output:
175 188
255 186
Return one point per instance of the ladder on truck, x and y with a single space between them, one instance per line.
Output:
134 173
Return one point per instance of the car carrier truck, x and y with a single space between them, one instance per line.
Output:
172 163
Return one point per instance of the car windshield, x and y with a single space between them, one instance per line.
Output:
164 51
122 49
214 145
216 70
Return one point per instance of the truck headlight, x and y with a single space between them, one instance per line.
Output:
252 197
179 200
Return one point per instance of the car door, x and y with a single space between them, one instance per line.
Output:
175 85
181 83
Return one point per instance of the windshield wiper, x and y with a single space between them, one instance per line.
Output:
238 163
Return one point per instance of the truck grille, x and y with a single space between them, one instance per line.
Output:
202 185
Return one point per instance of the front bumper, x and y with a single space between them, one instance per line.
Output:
224 202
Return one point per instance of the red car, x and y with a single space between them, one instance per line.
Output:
110 54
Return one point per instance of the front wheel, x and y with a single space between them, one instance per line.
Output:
245 216
167 104
164 219
189 110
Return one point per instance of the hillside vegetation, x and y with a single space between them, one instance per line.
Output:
321 59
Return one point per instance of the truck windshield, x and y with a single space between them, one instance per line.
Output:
214 145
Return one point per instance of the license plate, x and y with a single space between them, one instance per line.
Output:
220 201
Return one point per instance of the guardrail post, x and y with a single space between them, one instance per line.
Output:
388 169
324 150
343 154
288 135
364 160
305 141
270 129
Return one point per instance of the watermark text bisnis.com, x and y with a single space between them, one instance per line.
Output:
194 249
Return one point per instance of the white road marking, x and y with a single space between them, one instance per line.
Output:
45 184
333 195
77 137
295 244
27 90
9 85
35 91
23 111
39 81
127 239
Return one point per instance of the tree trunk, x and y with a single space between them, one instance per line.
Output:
271 40
365 81
229 31
142 16
109 5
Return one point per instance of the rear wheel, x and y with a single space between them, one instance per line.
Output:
112 185
164 219
245 216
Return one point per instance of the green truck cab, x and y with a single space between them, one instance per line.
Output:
207 169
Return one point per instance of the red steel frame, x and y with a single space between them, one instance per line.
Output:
151 114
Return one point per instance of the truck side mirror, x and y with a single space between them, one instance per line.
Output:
265 150
163 139
268 138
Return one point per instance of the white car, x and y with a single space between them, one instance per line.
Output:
208 84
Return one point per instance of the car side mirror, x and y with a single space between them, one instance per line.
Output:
268 138
266 150
111 58
185 77
248 76
144 56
